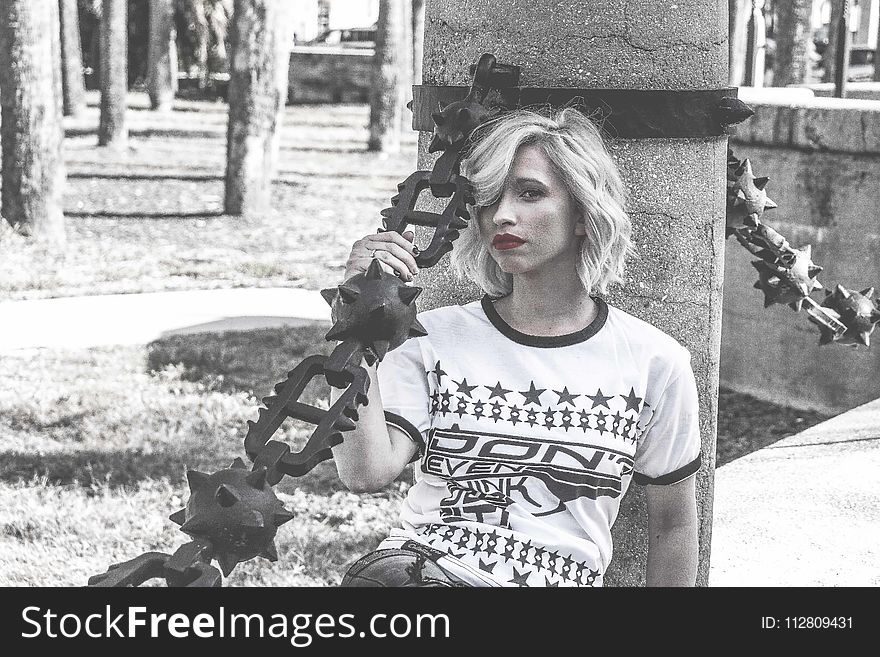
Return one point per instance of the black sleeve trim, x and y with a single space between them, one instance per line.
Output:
671 478
407 427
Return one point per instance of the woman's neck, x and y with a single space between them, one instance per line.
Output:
547 305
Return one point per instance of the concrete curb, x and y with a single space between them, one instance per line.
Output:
804 511
81 322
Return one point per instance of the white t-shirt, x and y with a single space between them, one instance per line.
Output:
528 444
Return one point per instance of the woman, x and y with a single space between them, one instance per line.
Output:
531 410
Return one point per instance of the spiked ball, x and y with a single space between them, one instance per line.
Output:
745 192
376 309
236 511
790 284
455 121
857 310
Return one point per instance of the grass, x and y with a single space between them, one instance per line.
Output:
94 444
150 217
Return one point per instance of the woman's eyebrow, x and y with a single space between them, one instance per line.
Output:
530 181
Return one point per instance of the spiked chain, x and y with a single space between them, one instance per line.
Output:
233 515
787 275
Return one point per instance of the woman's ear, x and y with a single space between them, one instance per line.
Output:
580 228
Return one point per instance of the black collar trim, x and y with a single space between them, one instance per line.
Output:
545 341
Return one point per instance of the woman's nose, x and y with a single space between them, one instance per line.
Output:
504 212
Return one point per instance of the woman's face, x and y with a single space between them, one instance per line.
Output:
536 222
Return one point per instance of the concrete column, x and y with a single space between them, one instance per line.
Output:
676 185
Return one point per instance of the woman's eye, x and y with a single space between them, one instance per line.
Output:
532 194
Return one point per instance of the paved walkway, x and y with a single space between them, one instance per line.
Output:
141 318
804 511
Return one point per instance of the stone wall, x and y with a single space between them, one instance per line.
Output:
823 159
329 75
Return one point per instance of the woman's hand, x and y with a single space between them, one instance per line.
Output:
395 253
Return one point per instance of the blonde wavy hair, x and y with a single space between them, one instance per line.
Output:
574 144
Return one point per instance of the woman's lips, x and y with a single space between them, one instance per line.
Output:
505 242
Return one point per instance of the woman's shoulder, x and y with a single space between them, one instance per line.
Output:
643 336
453 314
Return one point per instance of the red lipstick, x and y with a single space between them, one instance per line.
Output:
505 241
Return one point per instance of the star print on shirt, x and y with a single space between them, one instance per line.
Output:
566 419
496 411
532 418
565 397
478 409
533 395
585 420
632 402
550 584
600 400
498 391
519 578
549 422
464 388
514 415
462 407
600 423
438 371
488 567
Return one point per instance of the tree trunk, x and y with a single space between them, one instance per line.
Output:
388 93
877 57
737 14
162 55
259 42
418 30
32 133
794 43
72 82
112 130
831 50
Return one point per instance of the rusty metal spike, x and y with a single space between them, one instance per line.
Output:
842 291
270 552
257 479
197 525
874 317
329 295
374 271
438 118
349 293
227 561
344 424
336 332
195 479
225 496
416 330
868 292
436 144
386 212
380 347
395 199
408 294
814 270
238 464
865 338
178 517
282 515
761 182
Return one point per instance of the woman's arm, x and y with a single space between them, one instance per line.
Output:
373 454
672 534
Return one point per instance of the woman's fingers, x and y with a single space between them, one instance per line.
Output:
393 251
